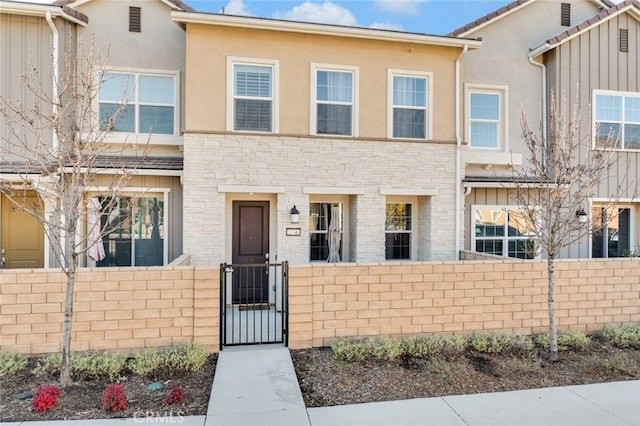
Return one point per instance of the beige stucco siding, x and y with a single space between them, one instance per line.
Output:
209 46
503 62
158 47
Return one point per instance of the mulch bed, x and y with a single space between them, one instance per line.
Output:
83 400
325 381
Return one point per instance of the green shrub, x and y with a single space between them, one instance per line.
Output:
94 365
500 343
386 348
48 366
351 350
624 337
11 363
567 340
85 365
178 359
185 358
433 346
146 363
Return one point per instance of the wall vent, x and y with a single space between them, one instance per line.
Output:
565 14
624 40
135 14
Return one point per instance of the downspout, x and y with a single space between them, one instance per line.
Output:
54 88
543 70
458 152
54 110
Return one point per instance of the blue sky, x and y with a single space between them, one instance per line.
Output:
421 16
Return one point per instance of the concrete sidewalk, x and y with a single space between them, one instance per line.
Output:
258 386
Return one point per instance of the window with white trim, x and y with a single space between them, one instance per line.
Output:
133 230
132 102
326 231
503 231
398 231
616 120
409 97
485 118
612 235
252 86
334 94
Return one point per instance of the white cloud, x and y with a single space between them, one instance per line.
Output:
386 26
404 7
237 7
324 13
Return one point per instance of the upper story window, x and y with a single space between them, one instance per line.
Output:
616 120
252 86
138 102
486 117
334 94
503 231
410 104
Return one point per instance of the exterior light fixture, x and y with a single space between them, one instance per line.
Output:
581 215
295 215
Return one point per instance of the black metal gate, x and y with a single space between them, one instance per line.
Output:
254 304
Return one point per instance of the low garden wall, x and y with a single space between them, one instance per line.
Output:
129 308
114 308
328 301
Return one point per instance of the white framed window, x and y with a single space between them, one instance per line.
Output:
616 120
503 231
133 230
252 87
486 116
334 95
145 102
409 94
612 234
399 226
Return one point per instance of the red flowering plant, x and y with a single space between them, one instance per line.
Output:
175 396
114 399
45 398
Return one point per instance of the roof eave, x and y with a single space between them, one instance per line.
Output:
550 44
320 29
34 9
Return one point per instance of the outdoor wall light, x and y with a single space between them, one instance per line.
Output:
295 215
581 215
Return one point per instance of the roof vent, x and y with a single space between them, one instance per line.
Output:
135 14
565 14
624 40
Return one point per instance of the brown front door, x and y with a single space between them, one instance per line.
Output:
22 244
250 247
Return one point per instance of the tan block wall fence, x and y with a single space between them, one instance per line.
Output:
129 308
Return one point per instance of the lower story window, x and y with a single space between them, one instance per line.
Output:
611 232
326 232
398 231
503 232
133 231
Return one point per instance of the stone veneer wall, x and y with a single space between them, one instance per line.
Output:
130 308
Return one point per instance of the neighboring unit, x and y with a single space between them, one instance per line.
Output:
584 50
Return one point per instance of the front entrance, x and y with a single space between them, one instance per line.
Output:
22 242
250 247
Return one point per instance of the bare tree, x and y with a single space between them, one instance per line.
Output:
555 187
57 145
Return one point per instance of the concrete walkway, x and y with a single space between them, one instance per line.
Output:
258 386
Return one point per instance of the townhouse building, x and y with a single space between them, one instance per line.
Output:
585 51
142 59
